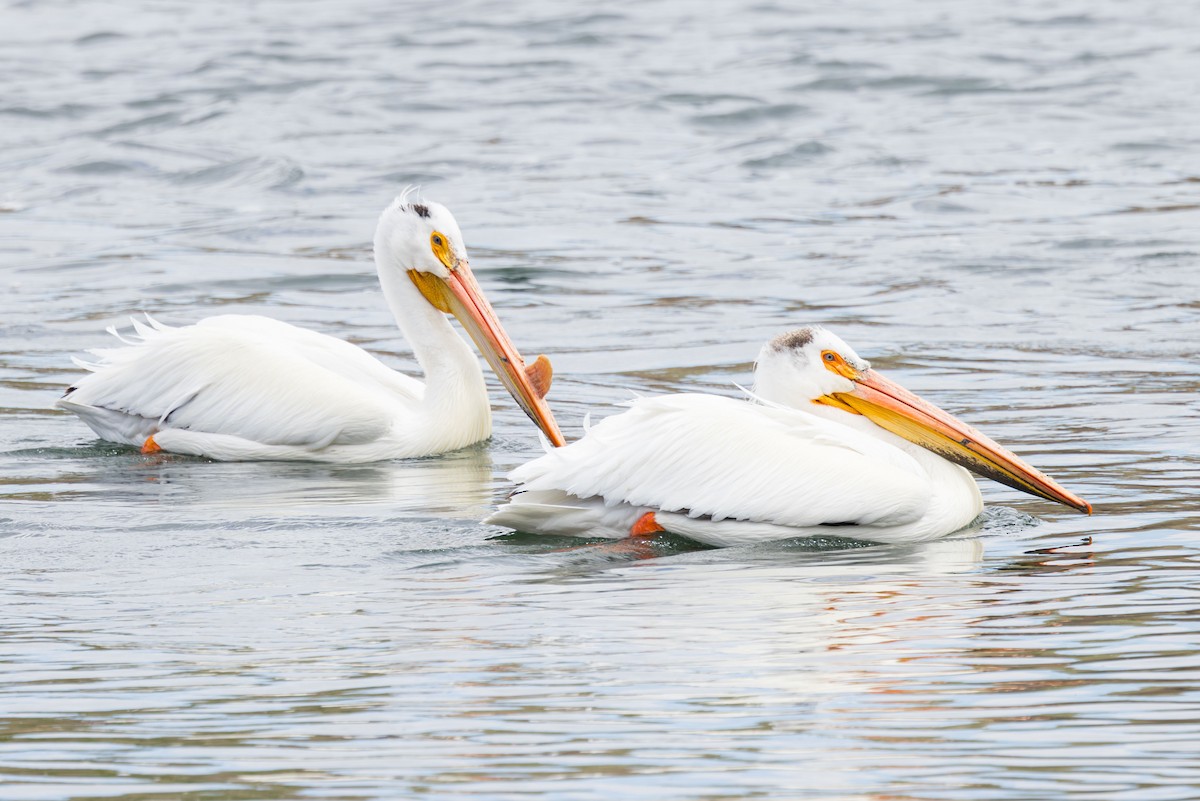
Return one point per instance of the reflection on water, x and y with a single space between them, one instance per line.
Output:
459 482
122 489
996 204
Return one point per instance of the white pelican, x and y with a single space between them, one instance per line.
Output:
242 387
833 449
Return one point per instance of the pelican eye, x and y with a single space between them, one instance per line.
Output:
836 363
441 248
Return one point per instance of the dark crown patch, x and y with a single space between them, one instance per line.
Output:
793 340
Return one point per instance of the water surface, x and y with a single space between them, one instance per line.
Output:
998 204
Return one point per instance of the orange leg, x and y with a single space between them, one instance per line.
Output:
150 446
646 526
637 546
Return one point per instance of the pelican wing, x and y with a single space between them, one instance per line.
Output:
721 458
251 377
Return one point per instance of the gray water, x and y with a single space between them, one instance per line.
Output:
997 203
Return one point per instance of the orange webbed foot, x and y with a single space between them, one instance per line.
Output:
646 526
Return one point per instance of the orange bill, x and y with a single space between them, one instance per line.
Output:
894 408
460 295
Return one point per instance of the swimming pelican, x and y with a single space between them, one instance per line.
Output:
832 449
243 387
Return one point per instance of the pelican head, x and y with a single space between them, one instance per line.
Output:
812 364
419 236
422 242
791 366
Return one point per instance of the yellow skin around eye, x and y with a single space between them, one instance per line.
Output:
838 365
431 286
441 248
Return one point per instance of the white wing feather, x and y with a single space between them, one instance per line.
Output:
704 455
247 376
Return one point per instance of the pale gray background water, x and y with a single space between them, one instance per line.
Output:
997 202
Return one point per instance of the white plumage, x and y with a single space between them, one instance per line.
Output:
725 471
247 387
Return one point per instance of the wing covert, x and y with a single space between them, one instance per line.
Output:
730 459
255 378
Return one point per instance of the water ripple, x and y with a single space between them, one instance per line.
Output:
997 206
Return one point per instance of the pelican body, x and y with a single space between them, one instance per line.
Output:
832 448
242 387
